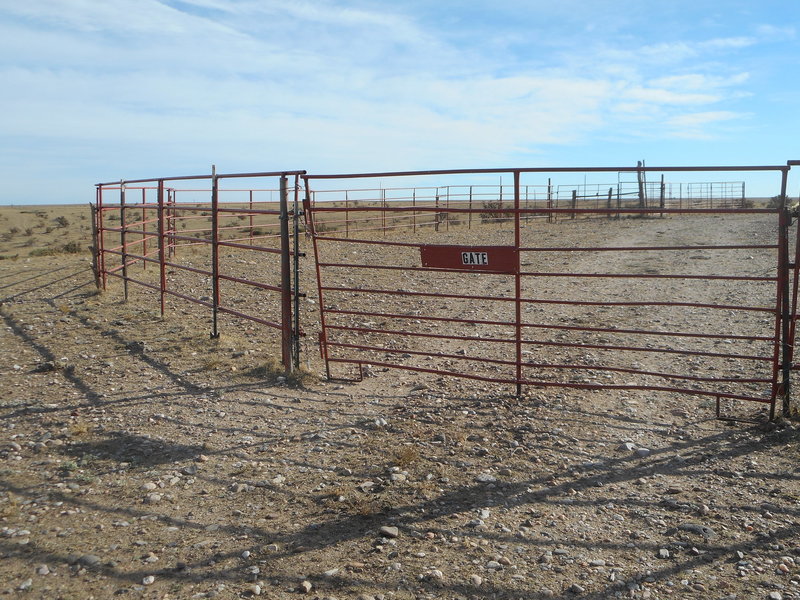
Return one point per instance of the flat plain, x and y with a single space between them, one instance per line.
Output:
140 458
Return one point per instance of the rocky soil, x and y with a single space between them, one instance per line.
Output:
141 459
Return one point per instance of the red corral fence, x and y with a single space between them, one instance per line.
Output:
185 229
503 276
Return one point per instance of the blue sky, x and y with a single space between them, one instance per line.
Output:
99 90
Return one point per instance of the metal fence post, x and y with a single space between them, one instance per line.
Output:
286 281
123 239
214 252
162 250
296 294
144 227
95 246
786 317
414 213
101 251
469 222
447 208
251 217
517 287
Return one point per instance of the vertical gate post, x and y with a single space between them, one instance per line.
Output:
296 294
144 227
323 335
286 281
101 249
95 246
214 252
123 239
517 286
162 250
786 350
640 180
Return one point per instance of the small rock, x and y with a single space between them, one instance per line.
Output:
486 478
663 553
152 498
775 596
576 589
42 570
476 580
389 532
597 563
703 530
26 585
88 560
434 574
306 587
643 452
628 446
149 486
253 590
148 580
494 565
246 554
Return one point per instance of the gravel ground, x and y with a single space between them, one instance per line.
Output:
142 459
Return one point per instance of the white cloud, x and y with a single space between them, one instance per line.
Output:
775 33
700 81
695 125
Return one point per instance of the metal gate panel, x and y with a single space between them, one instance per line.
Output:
634 298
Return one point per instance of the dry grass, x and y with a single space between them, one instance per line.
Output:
31 231
78 428
406 456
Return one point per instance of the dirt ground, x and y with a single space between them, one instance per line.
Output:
142 459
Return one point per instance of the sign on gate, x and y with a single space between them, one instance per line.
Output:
499 259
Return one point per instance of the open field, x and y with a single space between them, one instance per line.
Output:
142 459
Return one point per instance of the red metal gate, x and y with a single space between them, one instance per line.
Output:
627 296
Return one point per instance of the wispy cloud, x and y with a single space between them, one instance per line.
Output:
694 125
